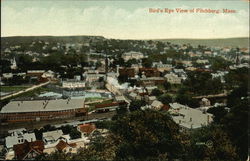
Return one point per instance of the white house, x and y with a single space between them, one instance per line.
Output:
132 55
173 78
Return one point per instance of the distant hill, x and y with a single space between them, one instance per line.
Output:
233 42
228 42
68 39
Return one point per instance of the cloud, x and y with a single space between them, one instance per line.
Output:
118 22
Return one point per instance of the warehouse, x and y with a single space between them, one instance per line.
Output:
18 111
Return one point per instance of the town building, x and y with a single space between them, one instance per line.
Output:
28 150
157 105
132 55
189 118
18 111
73 84
150 72
173 78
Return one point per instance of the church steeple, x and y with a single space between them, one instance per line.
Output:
13 63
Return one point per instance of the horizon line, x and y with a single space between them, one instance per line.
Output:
126 38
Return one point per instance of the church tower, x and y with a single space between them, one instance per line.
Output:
13 63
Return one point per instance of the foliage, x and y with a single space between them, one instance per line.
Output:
186 99
148 135
146 62
235 124
156 92
218 112
165 99
220 149
167 85
72 131
201 83
219 63
237 77
136 105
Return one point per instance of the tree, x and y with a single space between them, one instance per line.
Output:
98 64
186 99
148 135
218 112
165 99
167 85
146 62
75 134
136 105
156 92
211 143
236 125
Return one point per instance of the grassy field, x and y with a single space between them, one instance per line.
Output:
90 99
13 88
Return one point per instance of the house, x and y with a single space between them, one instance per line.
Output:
151 99
73 84
51 137
17 136
7 75
149 72
134 96
48 74
151 81
130 72
65 147
162 67
173 78
86 129
66 144
189 118
132 55
28 150
35 73
205 102
200 61
157 105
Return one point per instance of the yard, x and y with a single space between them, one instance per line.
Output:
13 88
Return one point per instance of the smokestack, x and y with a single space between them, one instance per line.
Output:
117 69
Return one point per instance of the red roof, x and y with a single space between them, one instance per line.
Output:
62 144
165 107
22 150
109 104
87 128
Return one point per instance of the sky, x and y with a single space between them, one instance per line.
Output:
123 19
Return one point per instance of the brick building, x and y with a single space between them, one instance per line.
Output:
18 111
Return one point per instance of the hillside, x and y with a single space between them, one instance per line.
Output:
233 42
229 42
66 39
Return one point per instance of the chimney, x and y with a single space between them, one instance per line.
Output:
208 119
117 69
190 119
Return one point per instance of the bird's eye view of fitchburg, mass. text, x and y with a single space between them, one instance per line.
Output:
107 80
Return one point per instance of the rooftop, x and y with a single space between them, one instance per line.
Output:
87 128
189 117
42 105
51 136
10 141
